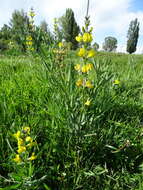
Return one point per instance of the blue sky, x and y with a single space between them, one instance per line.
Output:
137 5
108 17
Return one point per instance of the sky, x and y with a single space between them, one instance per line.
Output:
108 17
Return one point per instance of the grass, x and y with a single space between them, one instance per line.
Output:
78 147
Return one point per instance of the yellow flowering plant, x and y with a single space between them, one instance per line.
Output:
24 156
29 39
24 142
85 67
85 52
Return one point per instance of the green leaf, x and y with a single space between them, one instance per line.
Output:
46 187
11 187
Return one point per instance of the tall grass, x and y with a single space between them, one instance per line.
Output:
78 147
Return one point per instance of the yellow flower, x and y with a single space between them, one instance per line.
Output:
29 38
26 130
91 53
82 52
78 38
88 84
116 82
87 37
28 139
79 82
32 49
29 43
88 102
31 13
77 67
87 67
17 158
33 157
20 141
21 149
17 135
84 68
31 144
60 45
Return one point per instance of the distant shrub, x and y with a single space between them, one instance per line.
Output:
3 45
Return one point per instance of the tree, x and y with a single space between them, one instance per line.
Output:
96 46
5 37
44 26
20 27
69 27
110 44
132 35
5 32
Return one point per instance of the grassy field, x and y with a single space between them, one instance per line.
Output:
78 146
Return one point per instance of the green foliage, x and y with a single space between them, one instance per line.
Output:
19 27
133 34
69 27
48 38
41 38
3 45
5 32
110 44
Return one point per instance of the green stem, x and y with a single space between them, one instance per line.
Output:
87 8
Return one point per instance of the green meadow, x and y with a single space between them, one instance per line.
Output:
78 146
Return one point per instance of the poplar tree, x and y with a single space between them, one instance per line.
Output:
69 27
132 35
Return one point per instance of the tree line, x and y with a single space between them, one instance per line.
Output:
65 28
